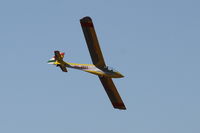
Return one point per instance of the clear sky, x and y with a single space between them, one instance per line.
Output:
154 43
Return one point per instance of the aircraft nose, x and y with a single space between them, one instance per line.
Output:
120 75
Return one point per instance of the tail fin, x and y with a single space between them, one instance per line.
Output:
58 60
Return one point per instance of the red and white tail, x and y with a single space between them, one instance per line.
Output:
59 55
58 60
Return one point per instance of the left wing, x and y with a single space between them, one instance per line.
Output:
92 42
112 93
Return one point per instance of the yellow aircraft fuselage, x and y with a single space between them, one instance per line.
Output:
107 72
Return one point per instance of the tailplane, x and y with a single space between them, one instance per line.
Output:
58 60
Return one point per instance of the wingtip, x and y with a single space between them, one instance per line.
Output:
86 19
120 106
86 22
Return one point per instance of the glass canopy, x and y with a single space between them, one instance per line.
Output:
110 69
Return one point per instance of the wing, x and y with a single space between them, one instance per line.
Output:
112 93
92 42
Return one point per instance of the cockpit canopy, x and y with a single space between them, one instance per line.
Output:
108 68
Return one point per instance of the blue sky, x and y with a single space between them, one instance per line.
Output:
155 44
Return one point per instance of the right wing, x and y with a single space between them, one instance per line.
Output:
92 42
112 93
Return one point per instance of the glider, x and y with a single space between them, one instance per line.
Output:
98 67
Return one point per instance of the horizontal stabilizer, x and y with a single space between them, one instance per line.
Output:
63 68
59 58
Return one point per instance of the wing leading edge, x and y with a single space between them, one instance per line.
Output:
92 42
112 93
